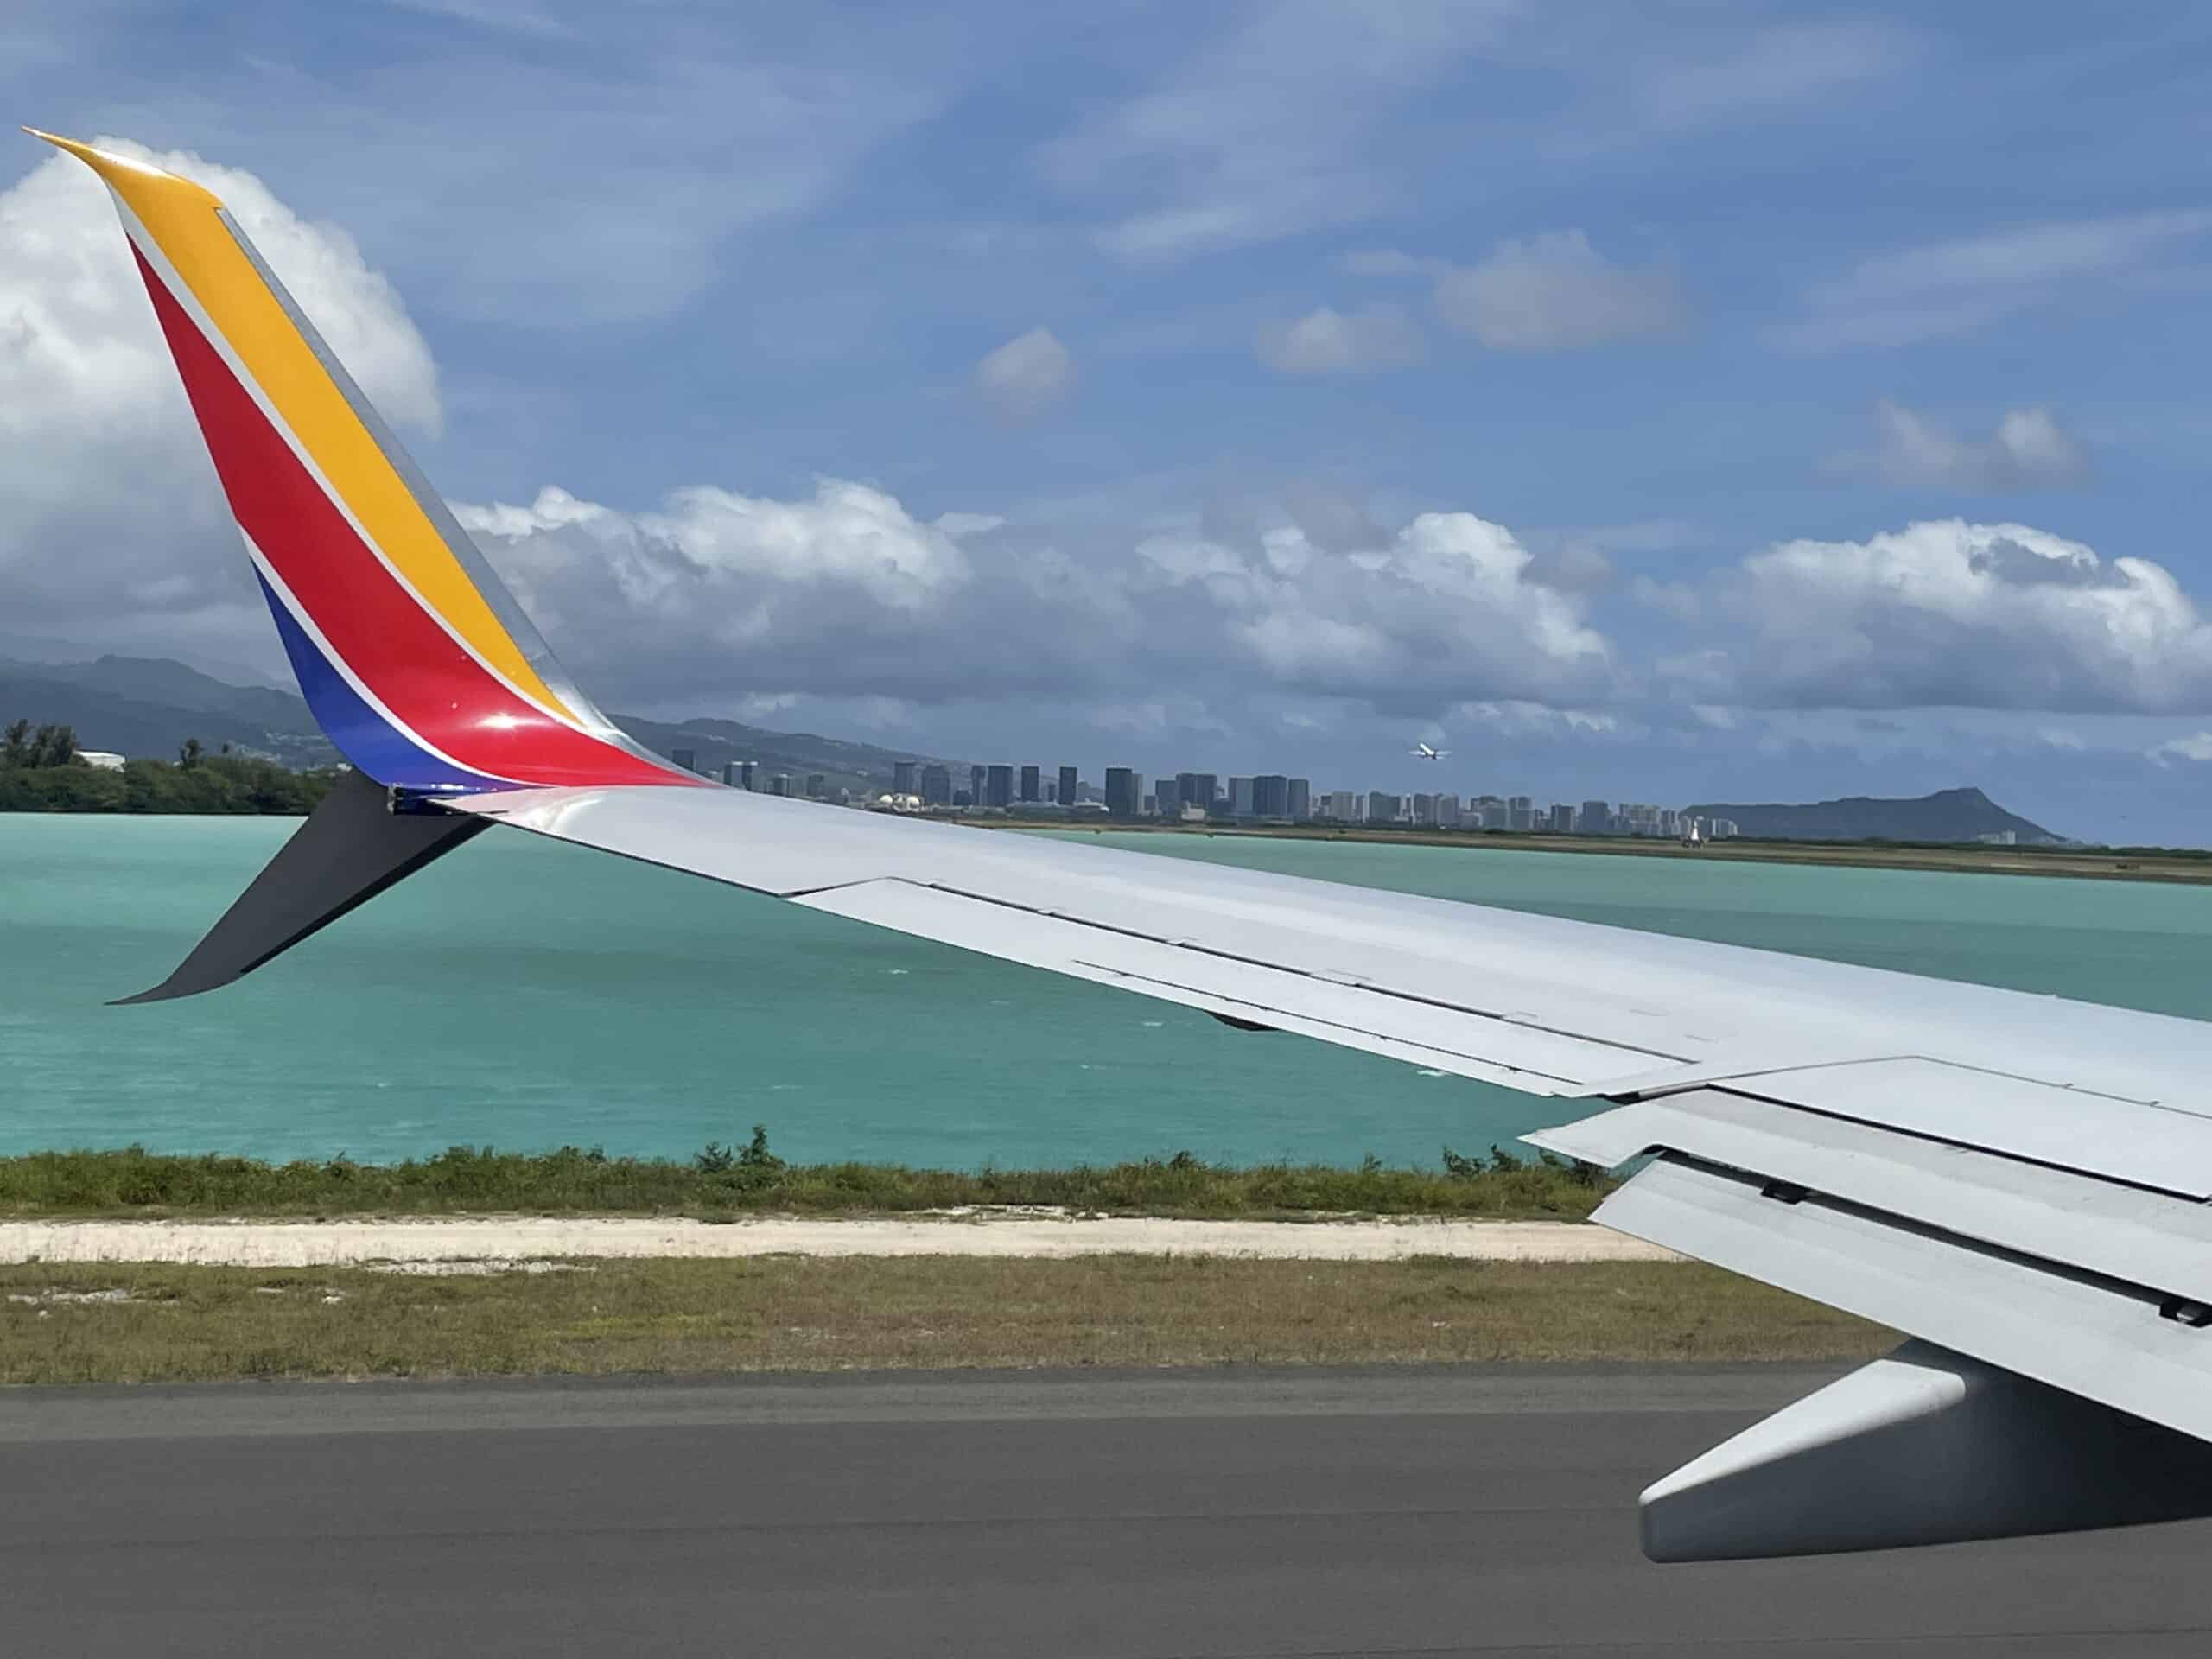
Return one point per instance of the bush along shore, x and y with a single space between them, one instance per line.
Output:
729 1181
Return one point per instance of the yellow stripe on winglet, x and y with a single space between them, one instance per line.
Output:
179 216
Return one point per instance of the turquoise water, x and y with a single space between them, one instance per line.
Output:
527 994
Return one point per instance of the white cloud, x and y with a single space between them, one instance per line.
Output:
1949 613
715 594
89 398
1325 341
1949 287
2029 450
2197 746
1785 65
1278 124
1026 375
1554 292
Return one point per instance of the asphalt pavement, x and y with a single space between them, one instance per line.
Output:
1156 1514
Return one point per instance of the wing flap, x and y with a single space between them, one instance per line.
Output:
2102 1338
2146 1238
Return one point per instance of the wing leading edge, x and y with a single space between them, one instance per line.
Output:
2015 1181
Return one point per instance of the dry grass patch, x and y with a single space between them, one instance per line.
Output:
788 1314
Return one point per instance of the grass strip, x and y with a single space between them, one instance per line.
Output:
148 1323
724 1182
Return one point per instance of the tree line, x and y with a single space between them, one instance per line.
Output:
42 770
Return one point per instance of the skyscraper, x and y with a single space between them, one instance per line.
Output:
1031 789
746 769
780 784
1595 818
730 772
903 777
687 758
1124 792
1520 814
1382 807
1562 818
1070 786
1270 796
1297 802
975 786
998 788
816 785
1195 789
937 785
1240 797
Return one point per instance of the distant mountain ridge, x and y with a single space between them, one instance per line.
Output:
1948 815
146 707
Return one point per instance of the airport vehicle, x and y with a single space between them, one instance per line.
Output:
2017 1182
1422 751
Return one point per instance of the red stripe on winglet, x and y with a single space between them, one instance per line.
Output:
380 632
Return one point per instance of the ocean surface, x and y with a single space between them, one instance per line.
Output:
526 996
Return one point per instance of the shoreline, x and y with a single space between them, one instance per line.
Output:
2167 865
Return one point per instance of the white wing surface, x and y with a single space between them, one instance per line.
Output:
2019 1180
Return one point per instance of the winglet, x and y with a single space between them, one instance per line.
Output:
418 665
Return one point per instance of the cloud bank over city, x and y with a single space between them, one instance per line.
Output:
1648 409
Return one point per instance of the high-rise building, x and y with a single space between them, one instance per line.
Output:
1562 819
1595 818
1382 807
687 758
1341 806
1070 786
1520 814
816 786
732 770
1195 789
780 784
1240 797
976 789
1270 795
902 779
937 785
1124 792
1298 799
998 788
1722 829
1447 811
1031 788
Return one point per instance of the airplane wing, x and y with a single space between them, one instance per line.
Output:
2018 1183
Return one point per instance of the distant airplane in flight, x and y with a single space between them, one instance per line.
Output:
1422 751
2018 1184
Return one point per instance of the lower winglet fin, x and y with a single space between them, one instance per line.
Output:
353 847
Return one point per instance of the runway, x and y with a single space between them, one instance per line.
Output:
1164 1515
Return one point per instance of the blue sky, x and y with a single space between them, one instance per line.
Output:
1652 401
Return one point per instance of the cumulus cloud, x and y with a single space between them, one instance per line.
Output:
2000 616
1025 376
2029 450
1445 608
1554 292
1327 341
713 594
88 397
